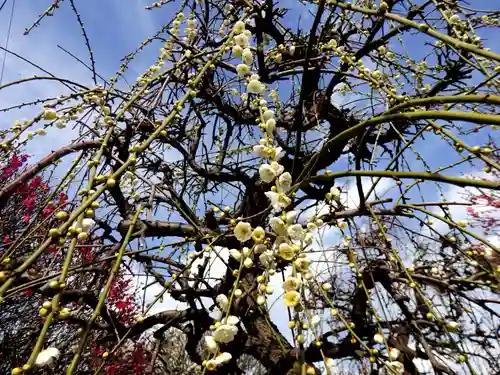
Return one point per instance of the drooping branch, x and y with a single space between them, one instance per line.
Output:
458 181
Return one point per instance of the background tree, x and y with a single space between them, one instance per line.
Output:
285 180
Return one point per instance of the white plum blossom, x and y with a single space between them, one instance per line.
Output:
222 302
393 354
270 126
47 357
60 124
452 326
239 27
378 338
267 115
259 248
277 167
231 319
243 231
236 254
286 251
302 264
291 283
242 70
212 364
266 259
261 150
285 182
223 357
267 173
296 232
241 40
278 200
255 86
237 50
278 226
276 153
211 344
259 234
311 226
455 18
87 224
291 216
49 114
247 56
248 262
292 298
335 193
246 251
225 333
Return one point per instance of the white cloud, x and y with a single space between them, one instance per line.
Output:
216 268
214 272
349 197
123 28
381 190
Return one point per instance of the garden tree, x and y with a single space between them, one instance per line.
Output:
267 155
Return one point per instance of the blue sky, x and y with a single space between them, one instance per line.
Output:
114 30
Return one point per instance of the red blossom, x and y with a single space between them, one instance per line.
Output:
48 210
121 299
63 198
124 361
30 196
485 206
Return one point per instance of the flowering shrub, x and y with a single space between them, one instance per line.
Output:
29 192
122 299
125 361
485 206
28 199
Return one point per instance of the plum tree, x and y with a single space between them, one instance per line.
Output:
289 194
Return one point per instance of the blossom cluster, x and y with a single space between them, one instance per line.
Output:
287 241
29 192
